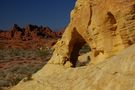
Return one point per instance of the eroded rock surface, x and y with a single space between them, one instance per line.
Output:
108 26
116 73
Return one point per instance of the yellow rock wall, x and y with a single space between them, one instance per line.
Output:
108 26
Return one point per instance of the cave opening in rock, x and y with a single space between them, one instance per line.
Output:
78 46
84 56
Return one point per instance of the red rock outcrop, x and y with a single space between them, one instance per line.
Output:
30 37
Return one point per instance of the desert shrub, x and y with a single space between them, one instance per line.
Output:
2 54
29 53
15 52
13 78
43 52
4 83
13 75
11 54
22 69
25 69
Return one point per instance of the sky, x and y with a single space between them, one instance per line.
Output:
52 13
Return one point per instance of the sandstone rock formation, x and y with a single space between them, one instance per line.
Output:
32 32
108 27
116 73
30 37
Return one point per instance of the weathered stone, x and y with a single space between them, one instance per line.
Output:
108 26
116 73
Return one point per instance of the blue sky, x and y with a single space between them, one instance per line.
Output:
52 13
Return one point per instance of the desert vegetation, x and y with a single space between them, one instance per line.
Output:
16 64
23 51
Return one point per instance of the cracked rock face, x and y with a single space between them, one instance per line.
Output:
107 26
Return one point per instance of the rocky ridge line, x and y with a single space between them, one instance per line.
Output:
20 37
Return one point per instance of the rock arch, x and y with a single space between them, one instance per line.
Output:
76 45
107 28
68 54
